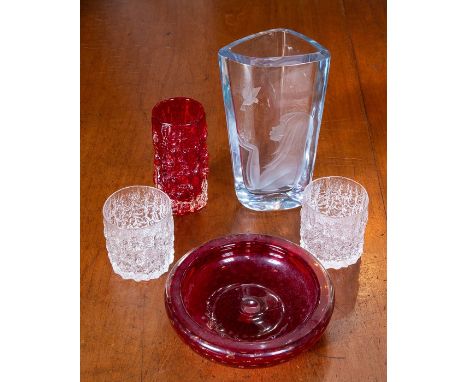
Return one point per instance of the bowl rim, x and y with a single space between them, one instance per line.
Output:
214 342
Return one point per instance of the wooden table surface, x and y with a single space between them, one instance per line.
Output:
134 53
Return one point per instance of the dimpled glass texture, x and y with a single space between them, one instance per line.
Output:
333 220
274 85
180 153
139 232
249 300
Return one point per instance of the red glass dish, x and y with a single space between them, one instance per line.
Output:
180 153
249 300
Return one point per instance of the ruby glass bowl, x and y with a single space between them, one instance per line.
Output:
249 300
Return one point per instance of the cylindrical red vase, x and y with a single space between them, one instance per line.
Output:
180 153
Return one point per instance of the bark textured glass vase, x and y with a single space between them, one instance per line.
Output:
274 85
180 153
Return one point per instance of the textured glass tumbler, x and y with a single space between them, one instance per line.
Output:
180 153
333 220
139 231
274 85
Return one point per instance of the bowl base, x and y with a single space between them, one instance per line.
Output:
246 312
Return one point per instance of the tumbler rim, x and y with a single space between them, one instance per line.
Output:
311 184
158 191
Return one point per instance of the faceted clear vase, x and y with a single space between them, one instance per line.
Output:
274 85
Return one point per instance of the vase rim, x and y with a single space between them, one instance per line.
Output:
321 53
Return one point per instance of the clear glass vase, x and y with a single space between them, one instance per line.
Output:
274 85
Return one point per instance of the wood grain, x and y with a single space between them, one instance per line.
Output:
134 53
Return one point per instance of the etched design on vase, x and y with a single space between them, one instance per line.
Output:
287 161
280 112
250 96
285 167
